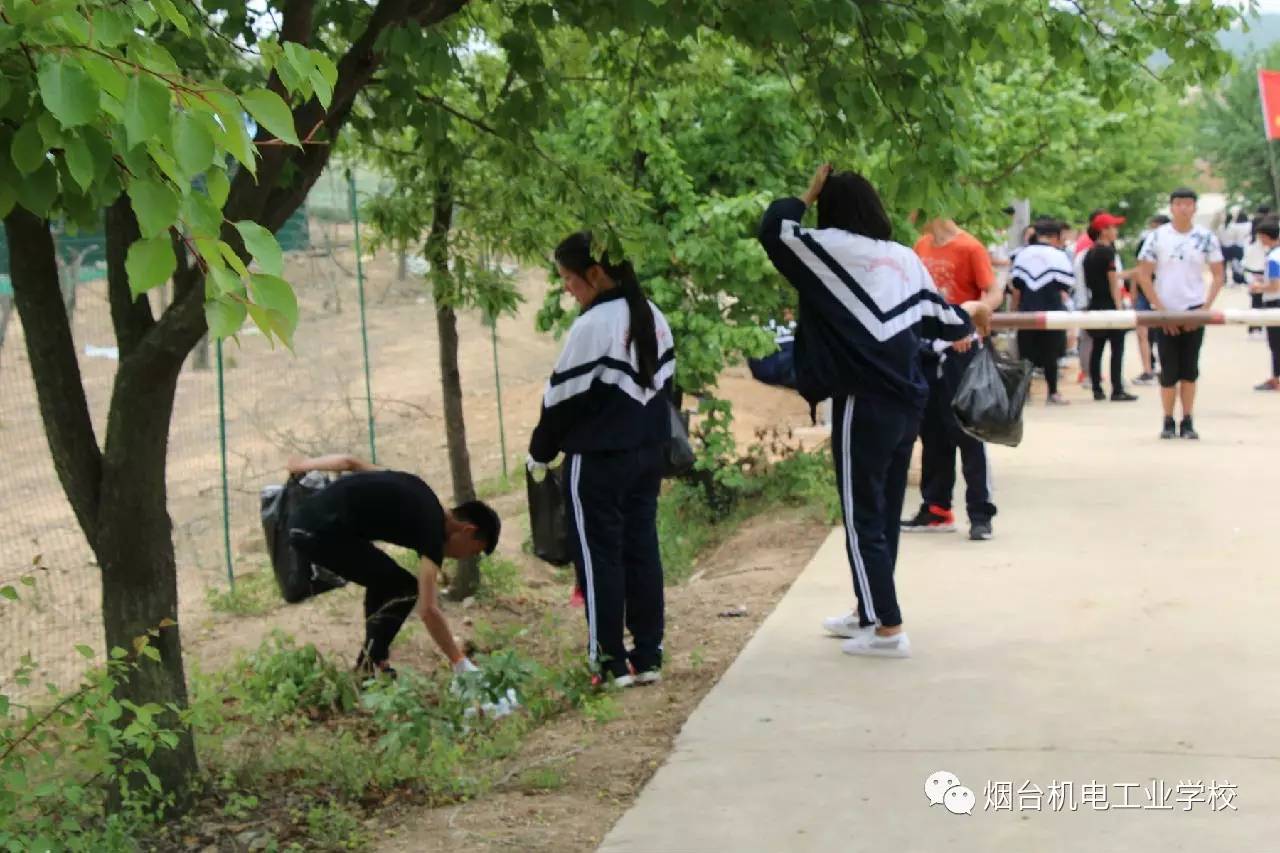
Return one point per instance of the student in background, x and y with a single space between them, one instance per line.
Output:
1105 294
1171 270
1147 336
1042 280
962 272
1268 234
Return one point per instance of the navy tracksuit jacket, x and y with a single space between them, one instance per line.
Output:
612 430
865 307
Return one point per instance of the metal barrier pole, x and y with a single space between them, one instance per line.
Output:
1134 319
364 329
222 448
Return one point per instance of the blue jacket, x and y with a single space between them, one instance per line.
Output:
594 400
865 308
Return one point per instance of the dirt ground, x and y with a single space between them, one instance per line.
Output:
277 402
597 769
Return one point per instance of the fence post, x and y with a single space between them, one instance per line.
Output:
364 330
497 383
222 449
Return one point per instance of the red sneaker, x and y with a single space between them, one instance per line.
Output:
930 519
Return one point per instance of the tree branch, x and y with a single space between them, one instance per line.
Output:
263 200
131 318
51 350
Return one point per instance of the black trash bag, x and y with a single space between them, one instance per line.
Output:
677 454
548 520
297 577
988 402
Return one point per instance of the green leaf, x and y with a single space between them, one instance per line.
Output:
208 249
275 294
202 216
149 264
79 161
192 144
68 92
108 76
146 109
323 77
229 254
109 27
172 15
85 651
263 246
219 186
264 319
225 317
155 205
270 111
224 283
237 141
28 148
39 190
9 593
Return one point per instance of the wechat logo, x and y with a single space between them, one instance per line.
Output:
944 789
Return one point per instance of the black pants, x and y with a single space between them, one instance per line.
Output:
613 525
1255 301
1273 342
1043 349
871 442
1102 337
941 436
390 592
1180 357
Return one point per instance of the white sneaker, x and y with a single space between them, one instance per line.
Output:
845 626
624 681
649 676
871 644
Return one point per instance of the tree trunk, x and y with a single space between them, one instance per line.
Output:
200 361
6 309
402 264
136 555
467 578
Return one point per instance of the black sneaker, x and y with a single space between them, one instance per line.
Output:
930 519
980 531
367 669
1170 429
1099 394
1123 397
1186 430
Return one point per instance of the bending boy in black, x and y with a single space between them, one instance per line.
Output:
337 527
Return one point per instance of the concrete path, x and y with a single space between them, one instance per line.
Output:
1122 631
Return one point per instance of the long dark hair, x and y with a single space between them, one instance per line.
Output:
574 254
848 201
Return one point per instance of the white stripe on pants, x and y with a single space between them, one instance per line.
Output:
575 476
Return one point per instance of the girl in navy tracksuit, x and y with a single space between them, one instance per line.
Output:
607 408
866 303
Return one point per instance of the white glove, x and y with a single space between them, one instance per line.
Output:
505 706
464 665
539 469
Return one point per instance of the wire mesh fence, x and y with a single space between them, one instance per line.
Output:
242 408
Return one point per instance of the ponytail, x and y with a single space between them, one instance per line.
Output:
574 253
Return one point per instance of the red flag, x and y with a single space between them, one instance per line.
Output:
1269 90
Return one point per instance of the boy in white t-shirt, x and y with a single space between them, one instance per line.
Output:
1178 253
1268 234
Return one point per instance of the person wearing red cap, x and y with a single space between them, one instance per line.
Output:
1103 281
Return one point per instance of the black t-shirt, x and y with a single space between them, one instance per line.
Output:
382 506
1097 263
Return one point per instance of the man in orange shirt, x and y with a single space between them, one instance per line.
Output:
961 269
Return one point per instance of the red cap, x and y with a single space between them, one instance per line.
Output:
1105 220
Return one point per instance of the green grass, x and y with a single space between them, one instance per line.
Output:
253 594
688 526
499 578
